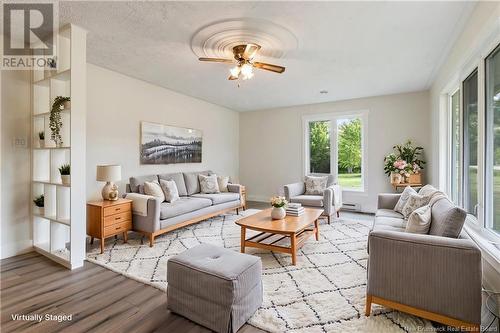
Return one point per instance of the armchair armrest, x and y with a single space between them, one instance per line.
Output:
388 200
292 190
145 212
436 274
332 199
234 188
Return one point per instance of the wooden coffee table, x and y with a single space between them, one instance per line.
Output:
295 228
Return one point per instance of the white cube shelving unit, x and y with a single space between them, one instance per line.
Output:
60 232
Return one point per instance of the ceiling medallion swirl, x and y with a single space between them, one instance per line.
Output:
217 40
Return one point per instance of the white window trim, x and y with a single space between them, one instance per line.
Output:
333 117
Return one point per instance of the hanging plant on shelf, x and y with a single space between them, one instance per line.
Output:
55 120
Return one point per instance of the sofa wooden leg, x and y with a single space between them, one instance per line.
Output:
151 240
237 211
328 219
338 214
368 307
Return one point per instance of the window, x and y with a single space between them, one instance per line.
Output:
470 143
334 145
455 147
319 147
492 71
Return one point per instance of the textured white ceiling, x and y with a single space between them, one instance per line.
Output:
351 49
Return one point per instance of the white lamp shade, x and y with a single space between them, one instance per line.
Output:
109 173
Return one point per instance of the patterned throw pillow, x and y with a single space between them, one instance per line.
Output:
419 222
170 190
209 184
414 201
223 181
315 185
154 189
404 198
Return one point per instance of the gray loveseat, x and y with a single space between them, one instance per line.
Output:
191 207
436 276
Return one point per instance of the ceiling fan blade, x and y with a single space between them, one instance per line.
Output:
250 51
269 67
229 61
232 77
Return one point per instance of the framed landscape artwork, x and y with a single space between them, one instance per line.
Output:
163 144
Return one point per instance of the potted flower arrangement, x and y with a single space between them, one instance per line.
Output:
55 120
39 205
404 164
64 170
278 212
41 139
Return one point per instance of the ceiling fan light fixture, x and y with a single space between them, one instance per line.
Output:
235 71
247 70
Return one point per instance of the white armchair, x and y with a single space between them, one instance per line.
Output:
330 201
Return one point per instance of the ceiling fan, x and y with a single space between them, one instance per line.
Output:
244 54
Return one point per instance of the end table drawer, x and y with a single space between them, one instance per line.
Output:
117 218
117 228
117 209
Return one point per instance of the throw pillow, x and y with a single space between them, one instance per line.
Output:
414 201
404 198
427 190
154 189
222 181
208 184
170 190
315 185
419 221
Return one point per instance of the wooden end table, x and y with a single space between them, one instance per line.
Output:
107 218
297 228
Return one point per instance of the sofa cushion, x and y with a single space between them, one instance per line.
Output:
192 182
154 189
218 198
427 190
315 185
399 223
419 221
182 206
308 200
178 178
447 219
388 213
208 184
170 190
137 183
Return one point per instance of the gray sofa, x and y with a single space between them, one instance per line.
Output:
330 201
436 276
191 207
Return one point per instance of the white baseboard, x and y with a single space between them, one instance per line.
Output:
16 248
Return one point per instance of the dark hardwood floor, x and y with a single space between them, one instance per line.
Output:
98 299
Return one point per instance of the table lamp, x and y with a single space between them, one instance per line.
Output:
109 174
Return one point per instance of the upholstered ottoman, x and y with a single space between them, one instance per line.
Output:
214 287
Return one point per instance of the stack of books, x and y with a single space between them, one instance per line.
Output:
294 209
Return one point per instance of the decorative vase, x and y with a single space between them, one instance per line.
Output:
66 105
66 179
278 213
41 143
396 178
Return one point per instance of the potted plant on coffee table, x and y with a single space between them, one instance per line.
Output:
278 212
39 205
65 171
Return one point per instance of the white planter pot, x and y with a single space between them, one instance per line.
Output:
278 213
66 105
66 179
396 178
39 210
41 143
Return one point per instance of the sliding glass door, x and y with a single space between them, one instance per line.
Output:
470 116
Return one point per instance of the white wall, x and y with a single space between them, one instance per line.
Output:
15 164
116 105
271 146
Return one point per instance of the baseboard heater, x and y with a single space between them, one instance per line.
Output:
353 207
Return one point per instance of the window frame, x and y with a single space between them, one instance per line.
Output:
333 118
450 149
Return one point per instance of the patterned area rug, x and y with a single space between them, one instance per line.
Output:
325 292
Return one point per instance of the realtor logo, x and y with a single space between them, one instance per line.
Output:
29 40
